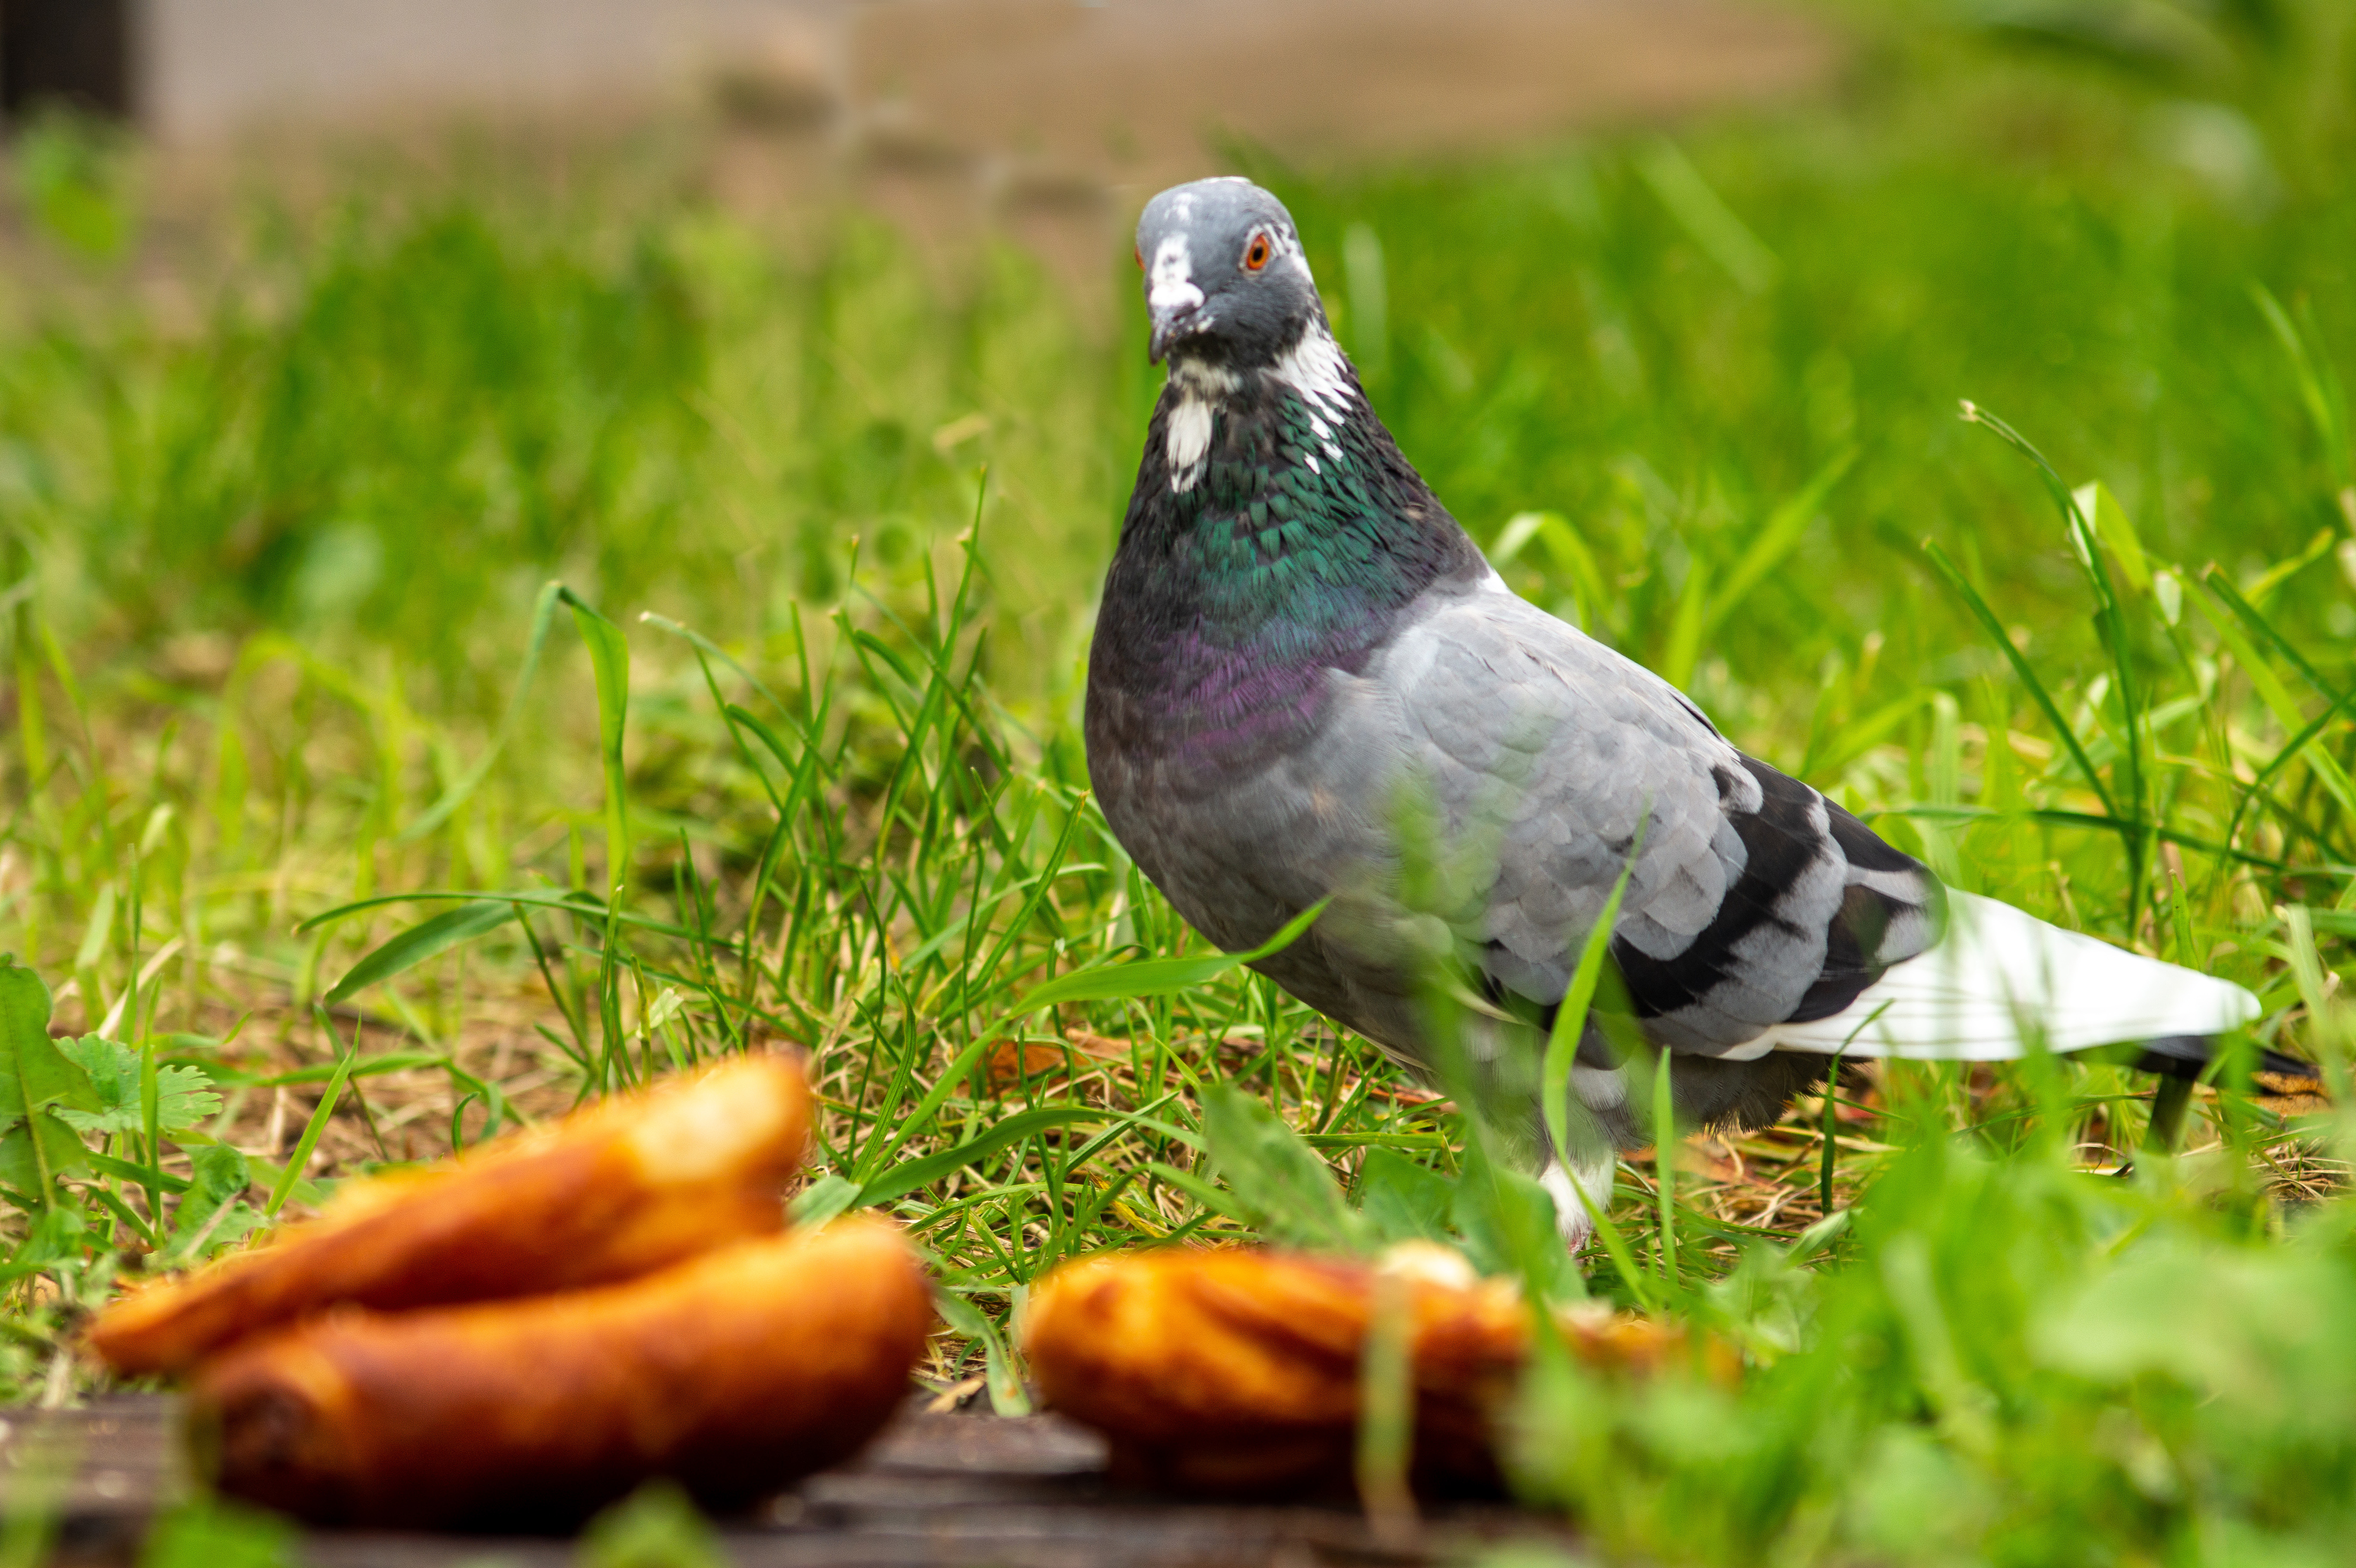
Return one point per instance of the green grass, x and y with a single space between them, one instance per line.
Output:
795 757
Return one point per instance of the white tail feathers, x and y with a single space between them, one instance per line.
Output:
2001 977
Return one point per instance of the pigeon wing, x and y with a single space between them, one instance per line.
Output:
1753 900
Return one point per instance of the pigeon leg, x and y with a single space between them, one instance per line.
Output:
1590 1176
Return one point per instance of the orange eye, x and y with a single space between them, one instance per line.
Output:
1140 254
1255 254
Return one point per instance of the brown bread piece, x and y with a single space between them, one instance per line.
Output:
632 1185
735 1374
1235 1372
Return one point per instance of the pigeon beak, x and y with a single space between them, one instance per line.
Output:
1172 300
1171 323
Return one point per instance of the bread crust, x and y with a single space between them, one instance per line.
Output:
1235 1372
632 1185
734 1373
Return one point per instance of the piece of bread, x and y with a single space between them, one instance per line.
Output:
735 1373
631 1184
1235 1372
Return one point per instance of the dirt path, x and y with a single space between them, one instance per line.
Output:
1108 91
1052 118
1135 92
1057 119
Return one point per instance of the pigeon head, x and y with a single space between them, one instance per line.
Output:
1226 281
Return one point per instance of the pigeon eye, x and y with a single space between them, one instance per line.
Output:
1139 253
1255 254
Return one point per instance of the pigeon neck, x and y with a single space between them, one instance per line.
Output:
1312 375
1275 532
1272 496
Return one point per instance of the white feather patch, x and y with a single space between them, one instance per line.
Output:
1189 442
1314 368
2001 974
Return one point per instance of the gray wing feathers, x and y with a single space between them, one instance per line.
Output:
1543 750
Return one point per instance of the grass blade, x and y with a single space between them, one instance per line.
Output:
543 616
1386 1409
1002 1375
309 1141
1777 539
609 658
421 942
909 1175
2217 582
1160 976
2318 390
1705 217
2079 525
1570 1017
1664 1169
2043 698
1290 1192
2279 698
579 904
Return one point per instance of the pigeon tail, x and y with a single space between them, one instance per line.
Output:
2187 1056
2000 979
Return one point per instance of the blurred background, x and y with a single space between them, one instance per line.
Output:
330 331
1071 87
1554 222
1047 115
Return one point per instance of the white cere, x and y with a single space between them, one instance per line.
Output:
1169 284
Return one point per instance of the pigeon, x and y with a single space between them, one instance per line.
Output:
1303 668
